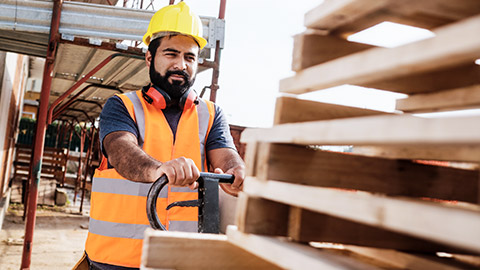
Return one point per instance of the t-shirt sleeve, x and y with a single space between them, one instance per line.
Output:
115 117
219 136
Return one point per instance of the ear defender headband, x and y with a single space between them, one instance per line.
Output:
160 99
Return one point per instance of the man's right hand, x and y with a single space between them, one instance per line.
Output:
180 172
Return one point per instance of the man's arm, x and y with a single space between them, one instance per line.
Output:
227 160
133 163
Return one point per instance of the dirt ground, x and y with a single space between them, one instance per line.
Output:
58 243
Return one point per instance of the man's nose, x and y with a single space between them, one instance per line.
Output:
180 64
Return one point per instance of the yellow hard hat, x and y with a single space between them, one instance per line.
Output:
176 18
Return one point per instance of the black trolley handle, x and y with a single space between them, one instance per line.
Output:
152 196
161 182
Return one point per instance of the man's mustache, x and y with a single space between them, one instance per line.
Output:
178 72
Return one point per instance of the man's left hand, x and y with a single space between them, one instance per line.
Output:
237 186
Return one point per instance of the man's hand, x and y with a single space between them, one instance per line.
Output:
237 186
180 172
228 160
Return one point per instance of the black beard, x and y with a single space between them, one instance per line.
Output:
175 90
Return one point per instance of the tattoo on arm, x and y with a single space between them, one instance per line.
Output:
130 161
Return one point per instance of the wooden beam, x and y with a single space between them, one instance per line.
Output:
259 216
462 98
467 259
448 48
292 110
308 226
350 16
334 13
458 76
309 166
373 130
402 260
250 158
311 48
422 219
462 153
265 217
288 255
180 250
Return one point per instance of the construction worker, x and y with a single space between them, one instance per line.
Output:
163 129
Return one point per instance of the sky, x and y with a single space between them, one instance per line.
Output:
258 54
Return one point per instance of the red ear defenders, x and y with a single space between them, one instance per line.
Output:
160 99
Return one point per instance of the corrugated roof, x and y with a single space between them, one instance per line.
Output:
74 61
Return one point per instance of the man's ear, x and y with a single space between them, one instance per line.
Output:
148 58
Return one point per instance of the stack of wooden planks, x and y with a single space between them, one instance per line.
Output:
381 206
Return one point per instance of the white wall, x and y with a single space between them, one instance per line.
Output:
5 95
6 90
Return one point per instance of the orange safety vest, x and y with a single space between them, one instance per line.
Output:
118 215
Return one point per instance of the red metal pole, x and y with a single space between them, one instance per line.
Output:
223 4
67 155
40 135
84 79
87 165
65 105
57 135
216 67
76 85
80 163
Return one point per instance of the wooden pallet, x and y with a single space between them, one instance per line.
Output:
380 200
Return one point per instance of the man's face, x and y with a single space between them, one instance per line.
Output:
175 65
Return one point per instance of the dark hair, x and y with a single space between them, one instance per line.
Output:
154 44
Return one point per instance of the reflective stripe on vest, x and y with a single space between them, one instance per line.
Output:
118 206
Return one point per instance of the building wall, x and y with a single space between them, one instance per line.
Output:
236 132
15 73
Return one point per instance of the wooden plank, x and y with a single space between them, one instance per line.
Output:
468 259
462 98
311 48
250 158
288 255
292 110
259 216
464 153
180 250
448 48
266 217
458 76
401 260
309 226
334 13
373 130
422 219
344 17
261 166
309 166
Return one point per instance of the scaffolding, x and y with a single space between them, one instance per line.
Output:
87 47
